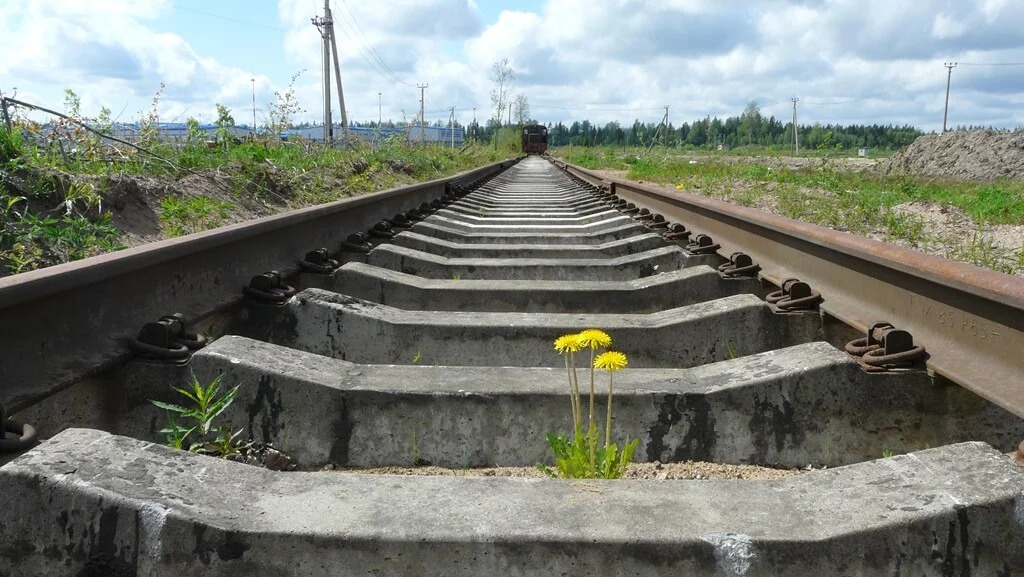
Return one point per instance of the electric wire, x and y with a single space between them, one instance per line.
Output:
365 41
364 55
593 108
228 18
990 63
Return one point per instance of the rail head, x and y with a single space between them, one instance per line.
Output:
971 320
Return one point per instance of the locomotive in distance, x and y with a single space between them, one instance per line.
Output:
535 139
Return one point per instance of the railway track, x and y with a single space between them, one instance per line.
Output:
428 340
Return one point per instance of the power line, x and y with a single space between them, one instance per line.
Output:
229 19
365 56
991 63
588 108
847 100
362 38
369 44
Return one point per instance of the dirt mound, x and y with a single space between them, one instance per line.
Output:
967 155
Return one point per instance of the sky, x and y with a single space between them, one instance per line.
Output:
848 61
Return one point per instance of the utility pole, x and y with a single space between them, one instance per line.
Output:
663 124
7 115
423 130
321 25
510 114
949 76
666 126
796 128
378 109
337 74
253 80
326 27
451 123
474 124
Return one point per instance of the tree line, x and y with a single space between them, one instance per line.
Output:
748 129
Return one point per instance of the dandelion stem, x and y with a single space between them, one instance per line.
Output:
574 393
576 396
608 423
590 426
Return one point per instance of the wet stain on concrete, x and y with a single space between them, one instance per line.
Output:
770 425
285 327
268 404
230 548
698 442
949 563
342 429
233 548
104 559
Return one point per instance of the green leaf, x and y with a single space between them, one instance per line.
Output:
188 394
169 406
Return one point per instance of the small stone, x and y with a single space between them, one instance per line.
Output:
658 465
275 460
328 467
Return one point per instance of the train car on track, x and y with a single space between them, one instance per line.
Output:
535 139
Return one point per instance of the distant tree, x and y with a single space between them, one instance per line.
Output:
193 135
285 108
224 123
103 122
611 134
750 123
503 77
521 109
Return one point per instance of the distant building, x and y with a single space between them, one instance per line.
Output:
428 134
177 131
863 151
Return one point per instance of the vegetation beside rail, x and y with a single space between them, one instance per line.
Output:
68 194
821 191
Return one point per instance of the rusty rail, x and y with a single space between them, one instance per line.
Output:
63 323
971 320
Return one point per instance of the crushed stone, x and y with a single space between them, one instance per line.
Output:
689 470
966 155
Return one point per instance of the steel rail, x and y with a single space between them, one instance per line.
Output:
971 320
61 324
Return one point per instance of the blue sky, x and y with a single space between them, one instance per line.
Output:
849 61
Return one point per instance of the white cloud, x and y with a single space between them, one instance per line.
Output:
108 52
848 60
945 26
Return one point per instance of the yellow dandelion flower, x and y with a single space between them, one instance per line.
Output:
568 344
679 187
595 338
611 361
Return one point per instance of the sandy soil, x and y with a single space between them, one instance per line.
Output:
689 470
973 155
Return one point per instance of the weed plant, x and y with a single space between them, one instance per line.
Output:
182 216
581 456
197 431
